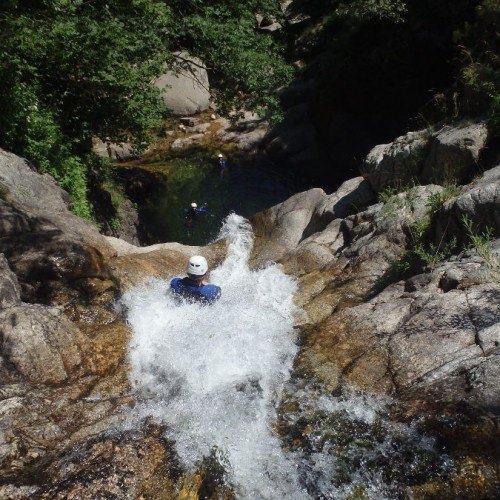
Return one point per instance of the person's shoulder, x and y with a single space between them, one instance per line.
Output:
175 282
211 291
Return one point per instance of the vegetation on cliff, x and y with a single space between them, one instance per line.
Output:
73 69
385 67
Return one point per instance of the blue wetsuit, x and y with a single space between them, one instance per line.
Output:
199 210
191 215
189 289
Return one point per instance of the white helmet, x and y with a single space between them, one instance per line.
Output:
220 156
193 205
197 266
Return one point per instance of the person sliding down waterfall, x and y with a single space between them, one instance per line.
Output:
194 287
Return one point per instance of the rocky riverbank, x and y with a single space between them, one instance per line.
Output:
400 293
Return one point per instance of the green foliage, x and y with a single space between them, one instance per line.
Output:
438 199
116 193
481 242
480 69
395 200
431 254
246 65
421 253
372 9
38 136
114 223
387 194
354 10
89 63
73 69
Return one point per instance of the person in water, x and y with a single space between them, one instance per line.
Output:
194 287
192 212
222 163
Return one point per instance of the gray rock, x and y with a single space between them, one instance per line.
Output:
27 189
279 229
41 342
479 202
484 305
454 152
186 142
185 89
448 155
115 151
397 162
37 196
436 338
352 196
10 291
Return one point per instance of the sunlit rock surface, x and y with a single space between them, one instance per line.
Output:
430 340
446 155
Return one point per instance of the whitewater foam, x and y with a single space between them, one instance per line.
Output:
214 374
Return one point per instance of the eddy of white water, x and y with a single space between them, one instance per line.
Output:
214 373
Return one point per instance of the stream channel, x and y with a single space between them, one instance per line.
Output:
221 378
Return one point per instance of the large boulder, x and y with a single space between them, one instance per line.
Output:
450 154
479 202
38 196
185 90
351 197
399 161
47 262
279 229
454 153
41 343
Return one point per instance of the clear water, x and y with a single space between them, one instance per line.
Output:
215 375
248 186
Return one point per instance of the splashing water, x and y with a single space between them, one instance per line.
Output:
213 374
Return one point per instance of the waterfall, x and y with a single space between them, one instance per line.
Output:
213 374
216 374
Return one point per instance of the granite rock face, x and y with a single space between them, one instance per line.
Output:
428 156
373 317
401 338
186 90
